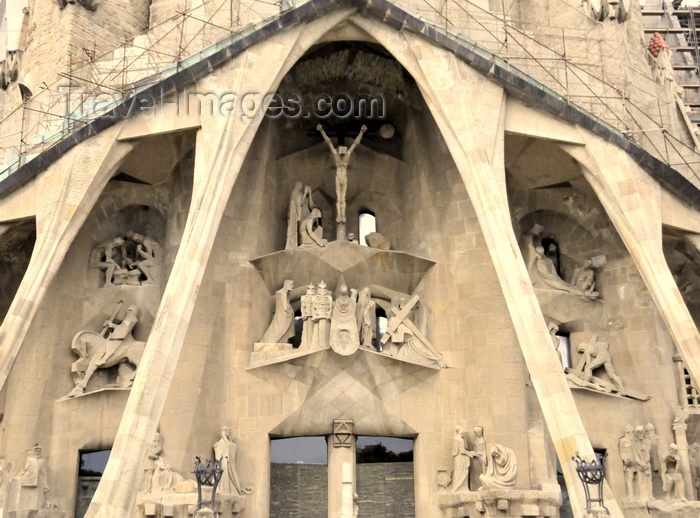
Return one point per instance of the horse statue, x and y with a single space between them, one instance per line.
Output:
115 345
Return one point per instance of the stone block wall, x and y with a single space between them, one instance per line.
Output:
385 490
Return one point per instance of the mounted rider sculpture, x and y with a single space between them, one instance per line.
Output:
115 345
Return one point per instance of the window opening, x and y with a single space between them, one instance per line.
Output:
367 225
299 477
90 469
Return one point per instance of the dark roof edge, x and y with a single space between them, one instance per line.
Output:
518 84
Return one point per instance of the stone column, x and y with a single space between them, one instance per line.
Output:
68 189
679 430
445 82
341 477
222 145
632 201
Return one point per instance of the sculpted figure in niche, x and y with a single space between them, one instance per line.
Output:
282 326
629 466
502 470
650 433
553 330
34 472
479 460
694 461
146 255
412 344
308 331
344 337
225 451
109 251
311 230
674 487
149 467
595 355
341 157
114 346
366 320
584 278
642 457
321 310
543 270
461 460
300 205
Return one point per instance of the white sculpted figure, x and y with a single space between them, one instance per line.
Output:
34 472
311 231
366 319
629 466
300 205
147 255
307 302
149 467
502 470
547 273
642 457
584 278
344 338
115 345
282 326
479 461
674 486
108 252
595 355
225 451
461 458
321 310
414 346
341 157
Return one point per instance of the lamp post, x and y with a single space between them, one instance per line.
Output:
208 474
592 473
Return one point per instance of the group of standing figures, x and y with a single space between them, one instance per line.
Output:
350 321
497 470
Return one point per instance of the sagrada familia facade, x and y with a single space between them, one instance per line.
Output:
473 225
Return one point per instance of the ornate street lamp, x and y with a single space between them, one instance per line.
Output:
208 474
592 473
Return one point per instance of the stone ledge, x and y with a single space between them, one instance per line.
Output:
504 503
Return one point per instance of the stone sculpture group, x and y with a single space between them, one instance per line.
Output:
497 470
349 322
127 261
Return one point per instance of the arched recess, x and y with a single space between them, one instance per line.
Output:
477 158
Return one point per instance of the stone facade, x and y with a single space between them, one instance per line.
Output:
154 267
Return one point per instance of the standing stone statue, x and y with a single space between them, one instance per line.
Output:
344 338
553 330
642 457
694 461
461 459
341 157
479 460
502 471
300 204
629 466
366 320
308 330
674 487
282 326
225 451
5 477
321 310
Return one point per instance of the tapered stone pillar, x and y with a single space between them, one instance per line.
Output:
341 471
478 155
69 190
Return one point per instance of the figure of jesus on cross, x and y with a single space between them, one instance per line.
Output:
341 157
